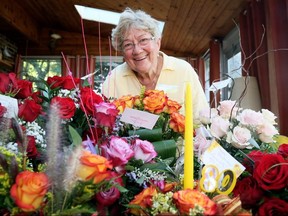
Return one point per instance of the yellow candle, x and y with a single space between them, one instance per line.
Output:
188 137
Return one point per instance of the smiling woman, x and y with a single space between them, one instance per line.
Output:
138 37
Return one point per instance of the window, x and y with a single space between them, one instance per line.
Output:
231 60
38 68
104 64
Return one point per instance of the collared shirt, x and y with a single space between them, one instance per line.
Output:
175 73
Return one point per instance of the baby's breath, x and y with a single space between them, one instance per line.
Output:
73 94
149 175
35 130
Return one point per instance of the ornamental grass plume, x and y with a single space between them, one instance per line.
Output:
55 161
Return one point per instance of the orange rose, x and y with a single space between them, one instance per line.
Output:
177 122
169 187
123 102
172 106
186 200
143 199
155 101
92 165
29 190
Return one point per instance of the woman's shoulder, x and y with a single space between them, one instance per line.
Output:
176 63
121 70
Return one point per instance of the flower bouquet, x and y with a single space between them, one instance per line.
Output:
251 138
91 163
237 130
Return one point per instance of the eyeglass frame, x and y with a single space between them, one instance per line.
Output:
145 40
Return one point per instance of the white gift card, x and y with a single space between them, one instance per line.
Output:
216 155
139 118
11 104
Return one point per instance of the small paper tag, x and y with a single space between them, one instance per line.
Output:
11 104
216 155
139 118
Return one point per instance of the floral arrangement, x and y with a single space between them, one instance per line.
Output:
264 189
237 129
68 152
253 139
71 154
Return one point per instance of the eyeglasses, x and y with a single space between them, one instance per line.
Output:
141 43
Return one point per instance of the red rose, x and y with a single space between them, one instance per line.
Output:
106 114
24 89
8 82
283 150
108 197
54 82
271 172
66 82
70 82
31 148
2 111
36 97
29 110
66 107
88 100
255 156
249 191
273 206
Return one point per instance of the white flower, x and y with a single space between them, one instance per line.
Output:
269 116
207 114
250 117
240 137
219 127
226 107
266 132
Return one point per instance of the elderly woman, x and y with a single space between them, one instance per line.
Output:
138 38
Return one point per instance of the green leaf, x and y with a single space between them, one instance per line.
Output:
146 134
140 180
121 189
76 138
165 148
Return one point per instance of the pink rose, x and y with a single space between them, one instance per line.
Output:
240 137
219 127
266 132
106 114
250 117
207 114
119 151
201 143
144 150
226 107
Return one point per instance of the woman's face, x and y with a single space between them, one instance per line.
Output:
140 51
